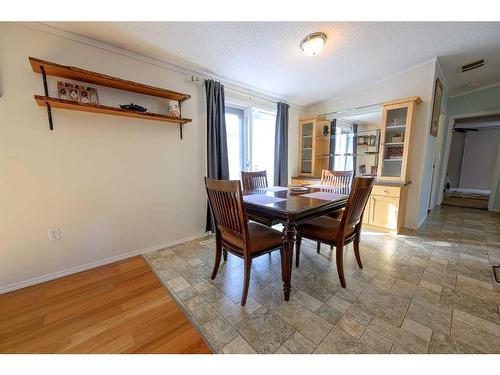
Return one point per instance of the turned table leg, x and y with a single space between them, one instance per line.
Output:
288 242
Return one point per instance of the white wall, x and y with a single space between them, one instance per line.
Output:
417 81
479 159
113 185
455 159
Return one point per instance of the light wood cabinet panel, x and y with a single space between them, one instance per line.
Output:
366 214
384 211
313 151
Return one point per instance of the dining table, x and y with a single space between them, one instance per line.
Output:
291 207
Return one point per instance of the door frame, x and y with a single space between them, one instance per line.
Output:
446 156
436 160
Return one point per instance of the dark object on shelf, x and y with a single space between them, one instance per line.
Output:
362 169
133 107
325 130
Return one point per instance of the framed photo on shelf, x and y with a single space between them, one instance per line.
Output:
62 90
92 92
77 93
83 93
436 107
68 91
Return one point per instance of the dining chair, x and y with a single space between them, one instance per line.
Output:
256 180
234 233
342 180
339 233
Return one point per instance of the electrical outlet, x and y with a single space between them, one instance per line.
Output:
54 234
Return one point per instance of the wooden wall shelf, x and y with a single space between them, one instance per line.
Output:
75 106
70 72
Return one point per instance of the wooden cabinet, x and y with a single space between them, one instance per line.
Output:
397 123
386 207
313 147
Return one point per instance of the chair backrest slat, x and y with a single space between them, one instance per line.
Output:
353 212
341 179
226 201
254 180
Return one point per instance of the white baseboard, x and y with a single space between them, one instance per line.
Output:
88 266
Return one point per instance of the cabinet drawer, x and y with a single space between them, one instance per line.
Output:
387 191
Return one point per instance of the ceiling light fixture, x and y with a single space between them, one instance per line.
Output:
313 44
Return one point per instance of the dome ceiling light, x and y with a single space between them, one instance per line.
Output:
313 44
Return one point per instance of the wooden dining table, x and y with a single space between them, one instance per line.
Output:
292 208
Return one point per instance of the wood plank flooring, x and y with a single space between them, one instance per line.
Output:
118 308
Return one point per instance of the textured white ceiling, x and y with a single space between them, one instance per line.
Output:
266 55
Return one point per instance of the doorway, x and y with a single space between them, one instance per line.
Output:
473 163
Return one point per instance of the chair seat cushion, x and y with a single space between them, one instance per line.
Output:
262 238
324 228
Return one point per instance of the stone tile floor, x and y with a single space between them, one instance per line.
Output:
426 292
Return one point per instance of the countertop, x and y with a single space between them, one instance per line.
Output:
377 181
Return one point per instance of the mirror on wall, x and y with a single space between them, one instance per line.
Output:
354 138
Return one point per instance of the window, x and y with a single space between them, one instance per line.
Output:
250 141
344 147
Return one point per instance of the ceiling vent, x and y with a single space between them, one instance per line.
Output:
472 65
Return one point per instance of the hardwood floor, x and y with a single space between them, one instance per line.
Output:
118 308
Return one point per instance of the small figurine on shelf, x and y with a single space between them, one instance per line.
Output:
173 108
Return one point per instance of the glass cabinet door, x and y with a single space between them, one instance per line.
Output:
306 148
394 145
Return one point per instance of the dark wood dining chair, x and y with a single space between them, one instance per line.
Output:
256 180
341 181
234 233
341 232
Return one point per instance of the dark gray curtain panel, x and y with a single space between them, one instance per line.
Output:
281 146
217 164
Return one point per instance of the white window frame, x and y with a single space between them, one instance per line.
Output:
248 108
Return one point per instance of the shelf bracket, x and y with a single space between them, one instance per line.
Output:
46 89
180 113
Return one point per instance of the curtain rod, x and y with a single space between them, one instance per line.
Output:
201 80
